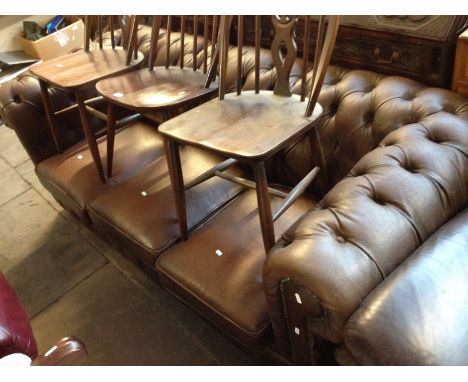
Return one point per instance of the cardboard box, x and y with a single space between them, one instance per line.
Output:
56 44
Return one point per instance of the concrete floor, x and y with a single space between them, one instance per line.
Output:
73 283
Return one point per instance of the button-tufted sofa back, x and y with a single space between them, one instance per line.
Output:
389 203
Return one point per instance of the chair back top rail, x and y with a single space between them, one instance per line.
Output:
283 51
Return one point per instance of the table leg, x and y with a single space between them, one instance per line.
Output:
177 182
110 137
49 110
264 206
90 137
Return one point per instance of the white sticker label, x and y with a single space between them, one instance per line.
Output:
218 252
298 298
296 330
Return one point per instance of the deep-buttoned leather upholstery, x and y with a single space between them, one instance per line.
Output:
419 314
16 335
393 199
396 154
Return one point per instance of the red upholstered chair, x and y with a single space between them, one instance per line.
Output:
16 335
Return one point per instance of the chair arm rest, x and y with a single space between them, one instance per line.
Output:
68 351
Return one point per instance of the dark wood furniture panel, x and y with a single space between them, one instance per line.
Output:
418 47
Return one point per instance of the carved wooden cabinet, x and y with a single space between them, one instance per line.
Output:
418 47
460 71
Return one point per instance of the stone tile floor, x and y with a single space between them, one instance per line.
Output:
73 283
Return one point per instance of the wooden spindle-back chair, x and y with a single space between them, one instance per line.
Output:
251 126
155 90
76 72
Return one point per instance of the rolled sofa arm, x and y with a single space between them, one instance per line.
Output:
394 198
419 314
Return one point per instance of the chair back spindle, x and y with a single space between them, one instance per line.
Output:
257 53
87 32
195 40
318 47
240 41
223 38
168 39
205 45
100 31
182 41
320 67
156 27
214 37
305 57
125 23
132 49
112 31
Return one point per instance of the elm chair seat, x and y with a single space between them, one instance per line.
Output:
79 70
155 91
144 90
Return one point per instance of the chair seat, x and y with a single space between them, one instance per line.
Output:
139 216
249 127
71 176
218 270
81 69
144 89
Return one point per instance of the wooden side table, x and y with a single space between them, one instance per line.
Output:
460 70
248 128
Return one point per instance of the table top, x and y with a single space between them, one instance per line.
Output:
81 69
249 127
143 90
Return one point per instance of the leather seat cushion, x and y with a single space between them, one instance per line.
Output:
139 215
72 177
227 286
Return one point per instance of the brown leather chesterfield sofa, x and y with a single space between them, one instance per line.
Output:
369 258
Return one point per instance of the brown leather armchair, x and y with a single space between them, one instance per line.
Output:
397 158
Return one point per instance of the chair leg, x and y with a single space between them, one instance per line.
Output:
177 182
90 137
317 146
110 137
264 207
50 114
